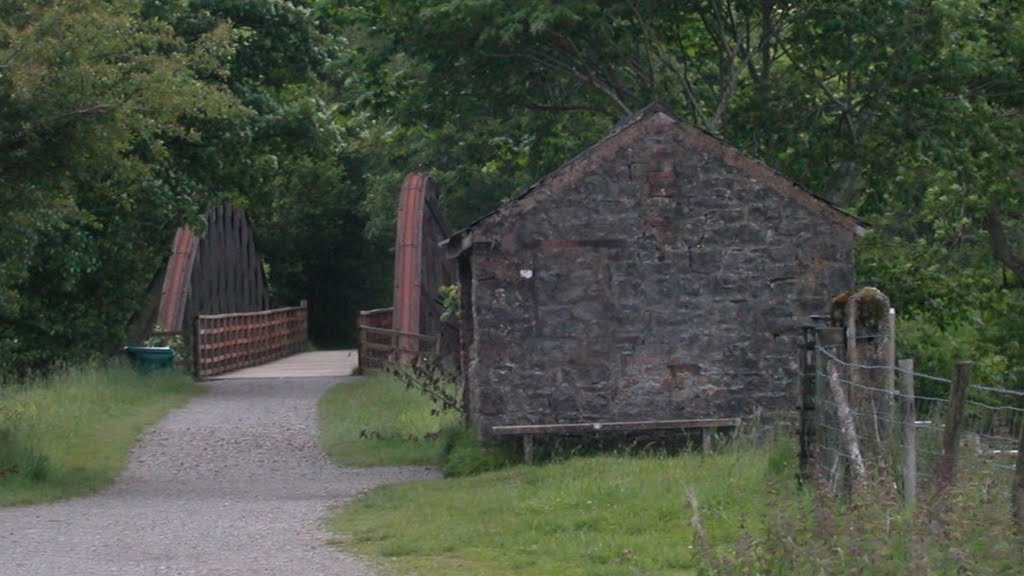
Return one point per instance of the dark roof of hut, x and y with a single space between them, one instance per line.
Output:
459 241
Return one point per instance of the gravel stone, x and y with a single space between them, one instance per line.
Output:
232 484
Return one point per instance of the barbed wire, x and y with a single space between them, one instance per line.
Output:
995 439
992 449
989 445
981 387
881 417
997 390
916 374
922 472
990 407
1003 466
895 393
985 458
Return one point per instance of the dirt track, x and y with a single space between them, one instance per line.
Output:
232 484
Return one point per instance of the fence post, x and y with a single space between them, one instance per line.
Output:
909 417
808 371
196 347
360 349
846 424
826 461
1017 497
871 353
954 421
302 340
887 407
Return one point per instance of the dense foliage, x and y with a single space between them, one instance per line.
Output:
308 113
93 99
907 113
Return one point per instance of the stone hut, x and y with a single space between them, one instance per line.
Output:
660 274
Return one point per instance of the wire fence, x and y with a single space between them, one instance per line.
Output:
863 420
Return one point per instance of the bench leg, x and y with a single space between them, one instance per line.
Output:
528 449
705 440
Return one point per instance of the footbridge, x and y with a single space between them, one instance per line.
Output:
210 300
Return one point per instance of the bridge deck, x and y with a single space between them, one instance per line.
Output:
306 364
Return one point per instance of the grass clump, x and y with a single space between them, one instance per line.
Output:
376 421
70 434
19 457
464 456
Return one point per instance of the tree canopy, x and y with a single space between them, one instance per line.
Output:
122 119
94 98
907 113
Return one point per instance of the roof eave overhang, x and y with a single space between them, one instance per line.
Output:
457 244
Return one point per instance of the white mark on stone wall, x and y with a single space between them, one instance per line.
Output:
526 273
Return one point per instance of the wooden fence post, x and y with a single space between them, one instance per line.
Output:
826 457
887 406
846 424
196 334
360 349
954 421
909 417
1017 497
870 327
808 372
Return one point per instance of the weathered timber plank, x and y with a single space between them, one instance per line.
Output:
250 314
378 347
611 426
389 332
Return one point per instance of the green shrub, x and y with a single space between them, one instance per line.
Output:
936 350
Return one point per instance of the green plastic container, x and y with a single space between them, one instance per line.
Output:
150 358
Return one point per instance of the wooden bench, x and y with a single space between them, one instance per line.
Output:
528 431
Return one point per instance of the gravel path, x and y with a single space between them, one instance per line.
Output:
232 484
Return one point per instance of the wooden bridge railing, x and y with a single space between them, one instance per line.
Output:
379 344
226 342
382 345
368 356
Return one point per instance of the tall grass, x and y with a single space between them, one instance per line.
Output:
966 528
71 434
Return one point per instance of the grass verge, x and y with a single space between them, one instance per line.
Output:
70 435
616 515
608 515
376 421
621 515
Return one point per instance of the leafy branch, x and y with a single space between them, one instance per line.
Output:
434 381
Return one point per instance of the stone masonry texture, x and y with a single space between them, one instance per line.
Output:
660 275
